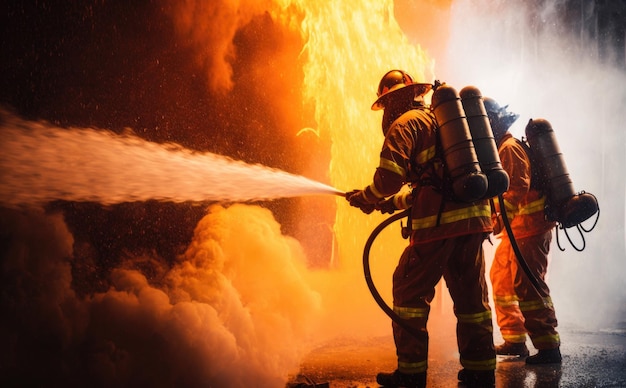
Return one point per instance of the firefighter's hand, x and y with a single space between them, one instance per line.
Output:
386 206
357 199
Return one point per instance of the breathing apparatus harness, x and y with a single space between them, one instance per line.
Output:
581 230
406 213
478 174
381 302
518 254
578 207
471 166
405 234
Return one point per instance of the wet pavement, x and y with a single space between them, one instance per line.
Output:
590 359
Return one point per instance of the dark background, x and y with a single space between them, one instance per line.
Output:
119 65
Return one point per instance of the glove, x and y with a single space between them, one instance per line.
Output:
386 205
357 199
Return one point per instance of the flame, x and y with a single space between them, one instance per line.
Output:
236 309
348 47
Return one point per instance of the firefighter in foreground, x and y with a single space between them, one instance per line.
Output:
520 308
446 240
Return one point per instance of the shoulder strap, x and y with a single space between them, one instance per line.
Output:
536 182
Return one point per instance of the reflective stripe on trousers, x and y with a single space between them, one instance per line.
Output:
460 261
520 309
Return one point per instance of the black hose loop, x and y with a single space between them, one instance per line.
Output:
582 237
368 275
581 231
595 222
558 240
518 253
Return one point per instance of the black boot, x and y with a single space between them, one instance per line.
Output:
398 379
512 349
478 378
545 356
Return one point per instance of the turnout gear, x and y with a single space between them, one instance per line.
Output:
358 198
398 201
545 356
521 305
520 308
398 379
446 236
512 349
550 174
524 204
409 155
477 379
421 266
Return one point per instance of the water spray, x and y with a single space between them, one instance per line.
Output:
40 163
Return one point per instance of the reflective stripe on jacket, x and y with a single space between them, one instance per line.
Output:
524 206
409 147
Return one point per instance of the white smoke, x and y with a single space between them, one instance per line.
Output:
524 55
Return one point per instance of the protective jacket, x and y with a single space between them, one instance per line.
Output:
520 308
409 154
524 207
446 240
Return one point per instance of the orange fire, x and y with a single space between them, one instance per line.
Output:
348 47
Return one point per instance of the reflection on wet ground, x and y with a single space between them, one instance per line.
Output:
590 359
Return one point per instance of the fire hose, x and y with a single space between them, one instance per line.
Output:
516 250
518 253
381 302
368 275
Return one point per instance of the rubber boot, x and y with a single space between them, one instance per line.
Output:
545 356
512 349
477 378
398 379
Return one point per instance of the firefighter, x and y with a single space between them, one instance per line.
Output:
520 308
446 240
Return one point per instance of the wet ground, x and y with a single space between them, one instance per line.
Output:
590 359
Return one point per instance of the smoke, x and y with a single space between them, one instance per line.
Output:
557 60
93 297
236 310
210 28
563 61
240 305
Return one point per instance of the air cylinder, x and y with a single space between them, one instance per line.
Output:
469 183
484 141
564 204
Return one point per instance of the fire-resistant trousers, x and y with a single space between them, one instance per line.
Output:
520 308
460 260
